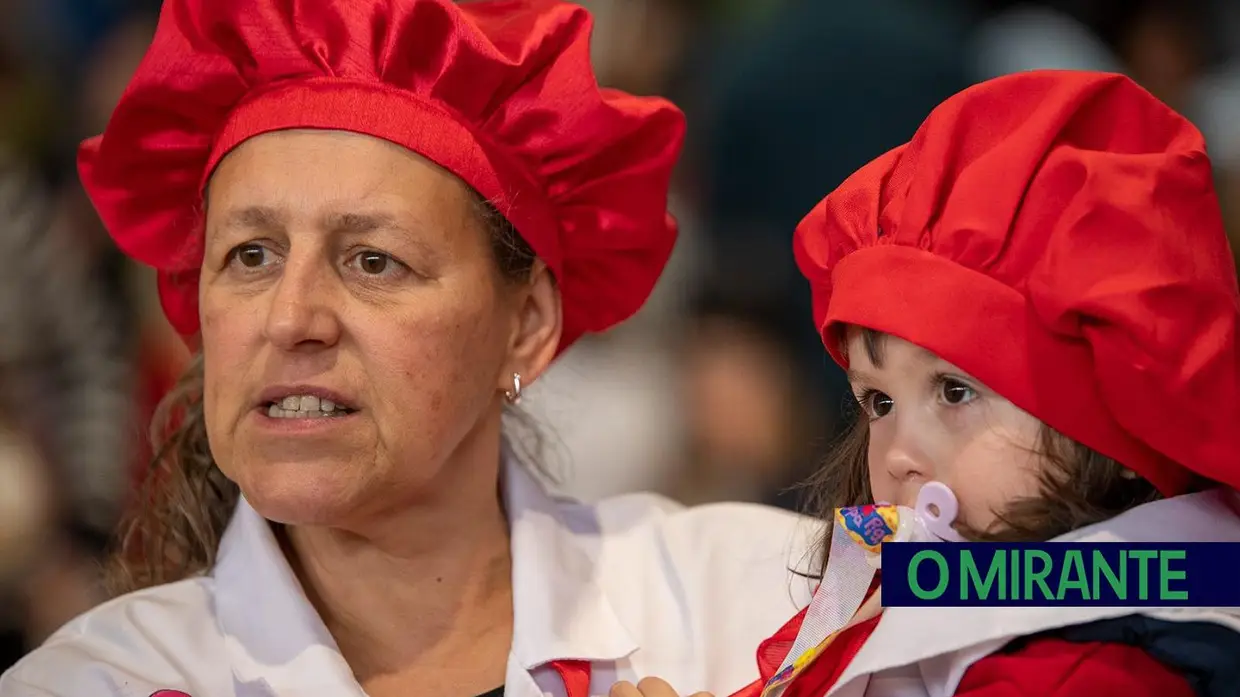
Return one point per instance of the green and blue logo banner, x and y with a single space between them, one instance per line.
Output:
1191 574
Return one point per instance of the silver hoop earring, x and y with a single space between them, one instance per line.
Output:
514 395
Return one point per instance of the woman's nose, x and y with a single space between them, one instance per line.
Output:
301 313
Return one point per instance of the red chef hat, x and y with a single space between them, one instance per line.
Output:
501 93
1055 234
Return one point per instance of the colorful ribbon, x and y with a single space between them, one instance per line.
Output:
857 538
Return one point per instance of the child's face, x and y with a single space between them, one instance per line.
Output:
931 421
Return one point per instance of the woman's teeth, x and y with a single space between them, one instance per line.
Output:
304 407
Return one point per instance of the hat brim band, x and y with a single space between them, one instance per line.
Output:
406 120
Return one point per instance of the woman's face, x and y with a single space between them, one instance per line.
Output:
931 421
357 335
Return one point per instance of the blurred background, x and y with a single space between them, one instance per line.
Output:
718 390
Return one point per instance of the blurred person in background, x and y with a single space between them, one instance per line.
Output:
138 331
1167 46
750 431
378 223
74 58
792 99
1184 52
25 523
1217 107
1019 36
65 423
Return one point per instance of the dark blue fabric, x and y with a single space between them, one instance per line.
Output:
1207 654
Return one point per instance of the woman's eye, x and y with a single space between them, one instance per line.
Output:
373 263
876 404
956 392
250 256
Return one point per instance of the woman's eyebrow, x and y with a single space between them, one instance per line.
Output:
264 218
354 223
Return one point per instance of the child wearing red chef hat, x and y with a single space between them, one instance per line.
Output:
1037 308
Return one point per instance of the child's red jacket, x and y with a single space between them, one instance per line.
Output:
1048 666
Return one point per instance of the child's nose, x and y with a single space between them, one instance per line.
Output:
907 461
902 466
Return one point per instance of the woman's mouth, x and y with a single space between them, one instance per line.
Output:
305 407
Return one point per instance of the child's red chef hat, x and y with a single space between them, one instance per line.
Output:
500 93
1056 235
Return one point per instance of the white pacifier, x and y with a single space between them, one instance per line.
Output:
930 520
934 514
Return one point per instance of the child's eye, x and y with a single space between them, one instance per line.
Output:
875 404
955 392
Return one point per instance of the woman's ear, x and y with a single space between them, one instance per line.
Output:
538 328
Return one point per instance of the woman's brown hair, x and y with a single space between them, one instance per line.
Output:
1079 486
174 530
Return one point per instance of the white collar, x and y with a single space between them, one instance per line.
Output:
278 643
561 610
963 635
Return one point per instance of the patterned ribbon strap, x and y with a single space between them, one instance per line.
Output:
856 540
856 544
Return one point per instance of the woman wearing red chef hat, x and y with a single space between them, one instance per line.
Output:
379 221
1038 310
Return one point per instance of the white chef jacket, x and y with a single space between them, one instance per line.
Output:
635 585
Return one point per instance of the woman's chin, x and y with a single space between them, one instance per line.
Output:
303 497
